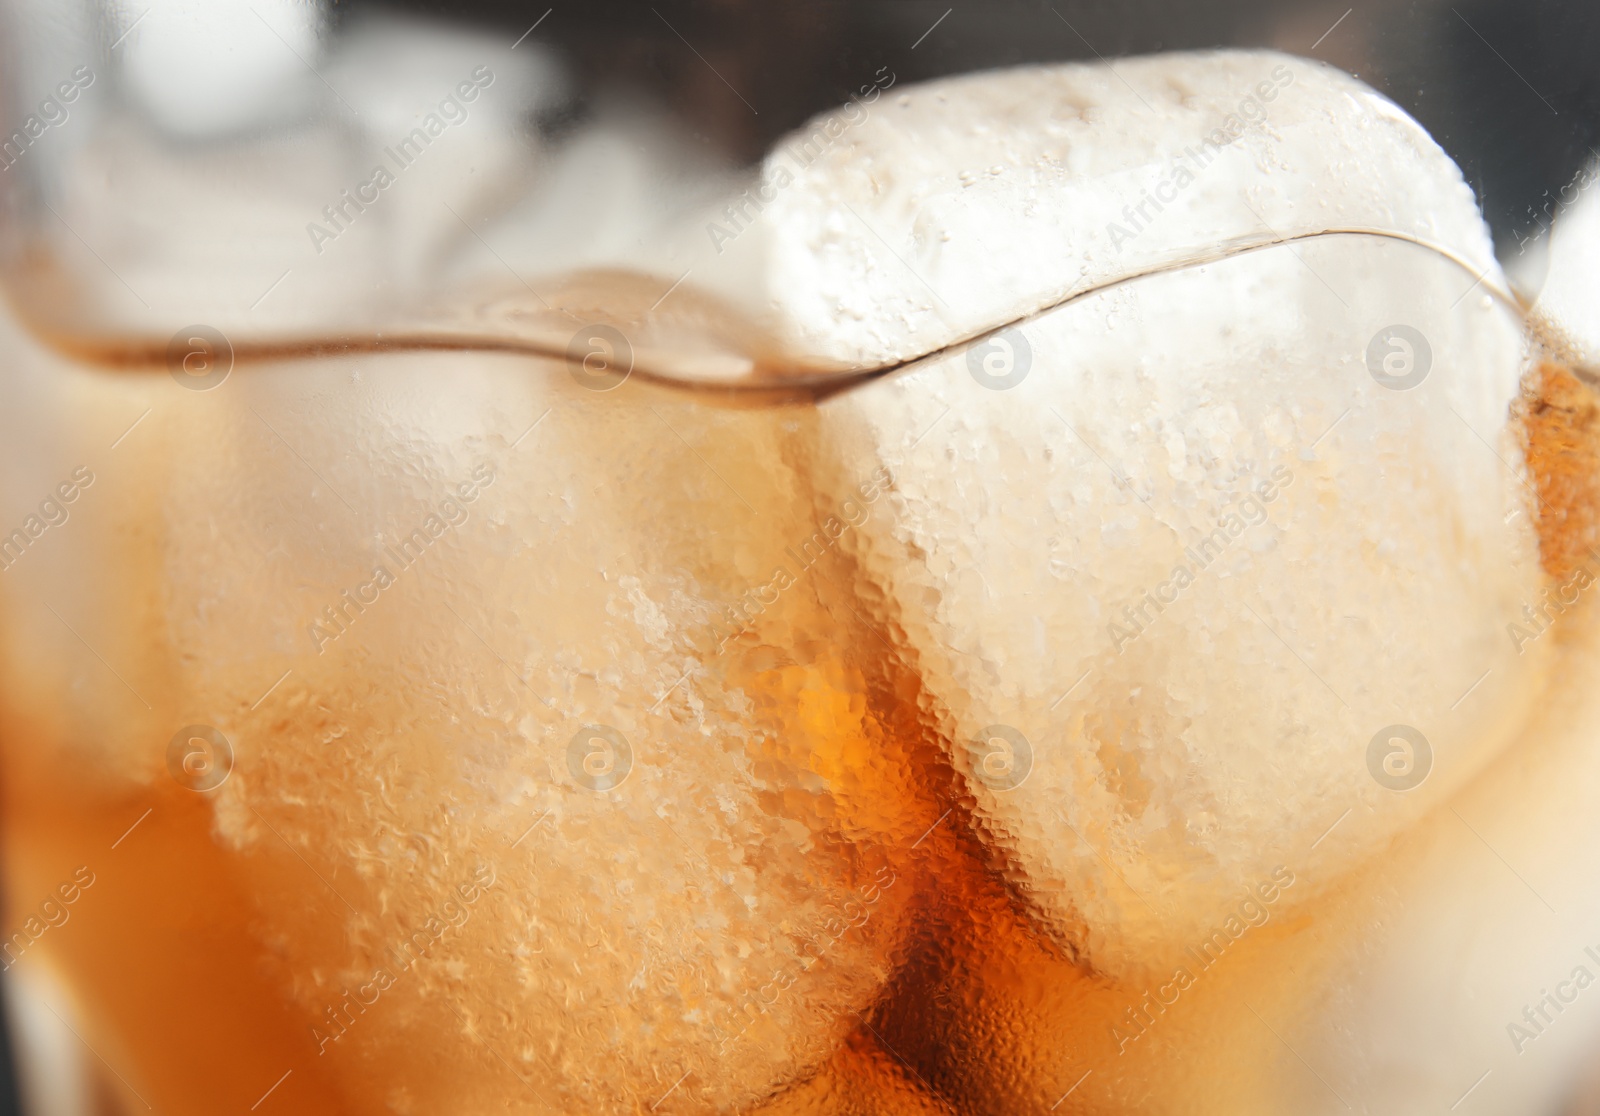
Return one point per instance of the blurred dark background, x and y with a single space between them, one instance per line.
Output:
1510 89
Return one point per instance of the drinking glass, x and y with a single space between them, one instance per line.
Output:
527 584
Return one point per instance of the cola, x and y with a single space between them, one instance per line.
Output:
892 671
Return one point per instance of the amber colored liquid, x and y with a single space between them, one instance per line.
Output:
164 951
180 982
160 943
180 973
985 1015
183 975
